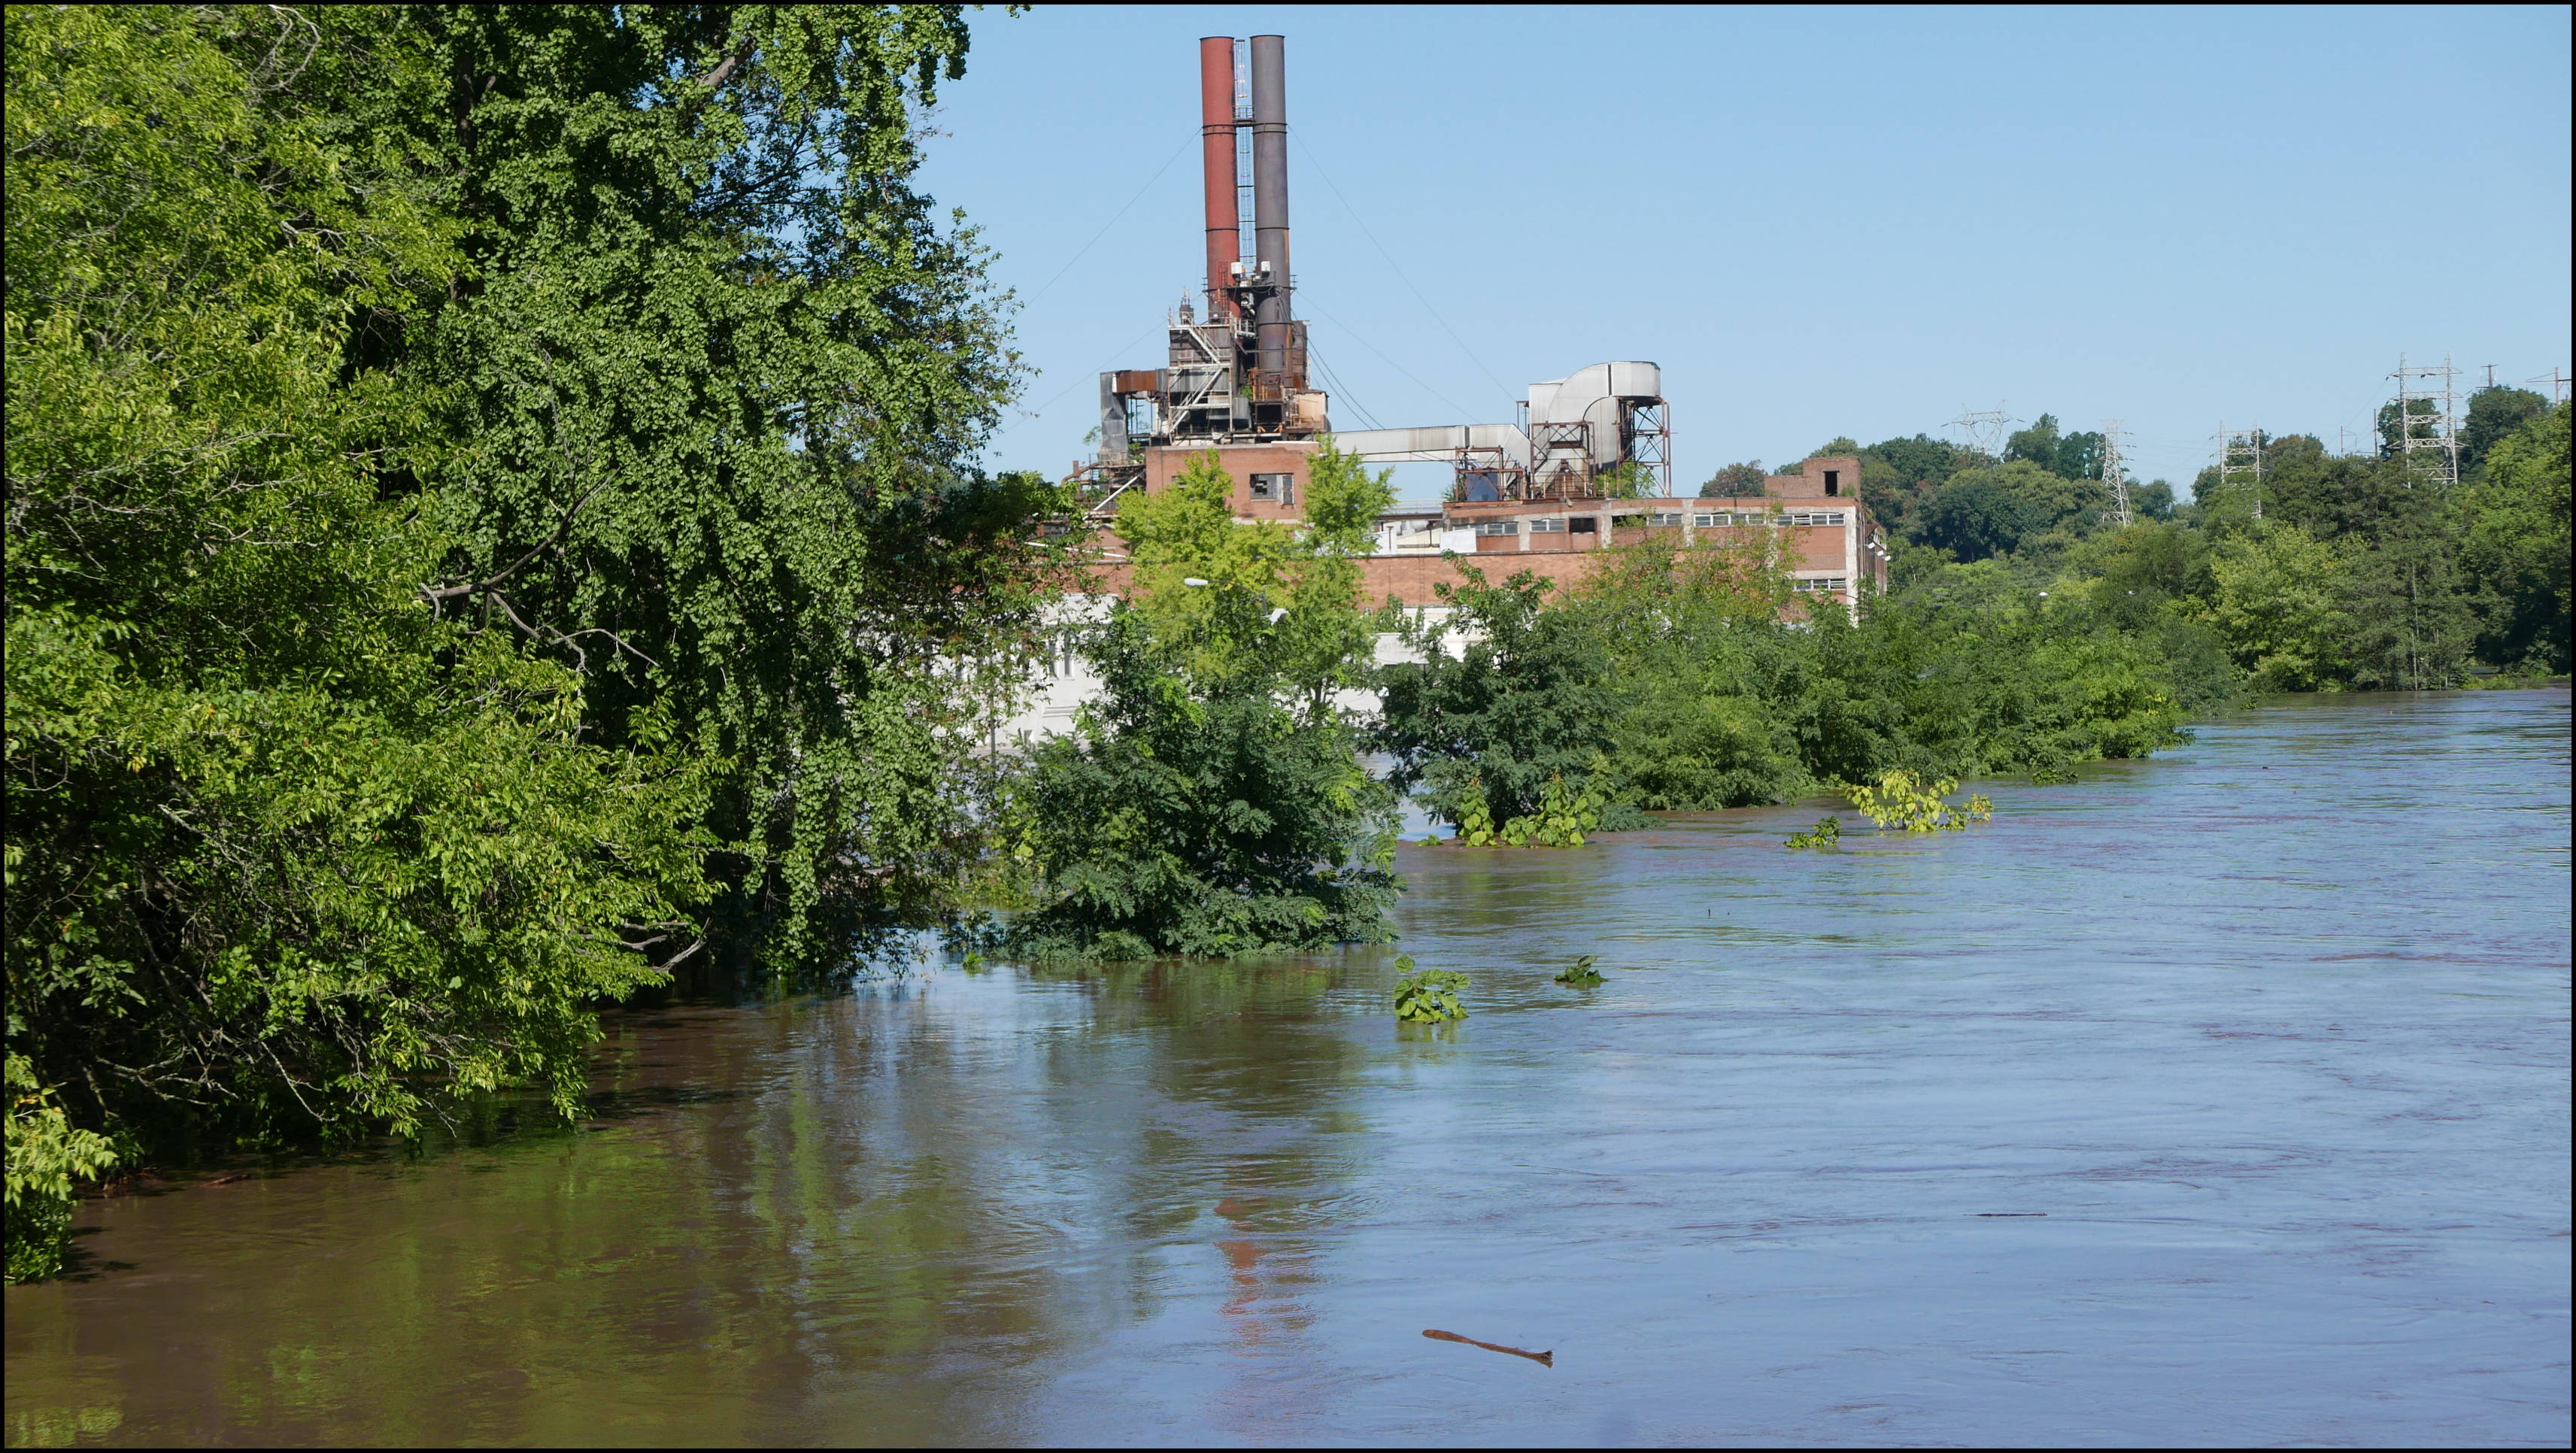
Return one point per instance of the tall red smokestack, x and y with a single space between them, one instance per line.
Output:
1216 140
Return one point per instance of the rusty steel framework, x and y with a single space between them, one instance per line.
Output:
1235 365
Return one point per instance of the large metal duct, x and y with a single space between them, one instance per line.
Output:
1270 195
1216 142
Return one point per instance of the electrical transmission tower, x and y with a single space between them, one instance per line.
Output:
2557 380
2114 473
2433 458
1984 429
2240 456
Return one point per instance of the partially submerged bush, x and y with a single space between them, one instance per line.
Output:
1428 997
1209 824
1827 832
45 1155
1564 816
1902 800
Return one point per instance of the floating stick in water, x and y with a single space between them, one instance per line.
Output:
1545 1359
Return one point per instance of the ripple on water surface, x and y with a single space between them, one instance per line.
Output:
2220 1098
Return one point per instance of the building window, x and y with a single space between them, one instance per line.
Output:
1584 524
1821 584
1705 522
1275 488
1548 525
1499 527
1833 482
1665 519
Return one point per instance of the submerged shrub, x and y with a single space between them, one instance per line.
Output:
46 1154
1827 832
1428 997
1902 800
1208 823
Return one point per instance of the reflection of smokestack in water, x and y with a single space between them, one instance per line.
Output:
1270 194
1216 133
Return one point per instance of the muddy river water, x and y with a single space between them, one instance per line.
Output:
2215 1099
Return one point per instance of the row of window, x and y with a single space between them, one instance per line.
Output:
1585 524
1823 583
1719 518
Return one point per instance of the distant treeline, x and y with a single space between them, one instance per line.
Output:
2315 571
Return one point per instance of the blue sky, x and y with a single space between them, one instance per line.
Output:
1819 222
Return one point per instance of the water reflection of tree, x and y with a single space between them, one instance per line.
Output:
839 1220
1239 1127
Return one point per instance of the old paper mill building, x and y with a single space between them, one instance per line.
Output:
1587 464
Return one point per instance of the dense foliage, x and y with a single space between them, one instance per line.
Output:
2322 572
486 507
1210 802
1682 666
1209 821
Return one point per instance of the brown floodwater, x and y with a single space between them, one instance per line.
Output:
2215 1099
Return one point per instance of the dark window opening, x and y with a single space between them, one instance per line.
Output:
1833 481
1275 488
1584 524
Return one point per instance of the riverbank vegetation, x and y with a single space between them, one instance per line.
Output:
1212 801
2312 571
490 520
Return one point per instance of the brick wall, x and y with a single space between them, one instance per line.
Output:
1408 578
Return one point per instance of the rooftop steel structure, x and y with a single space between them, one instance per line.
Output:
1234 375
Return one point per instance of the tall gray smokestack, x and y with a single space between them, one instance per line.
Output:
1270 194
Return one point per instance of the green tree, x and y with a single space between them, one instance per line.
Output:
2495 413
2079 456
1508 696
2408 624
1207 822
1735 481
1279 600
717 371
1975 514
2515 556
2037 444
1695 632
1212 803
287 855
2278 607
1899 476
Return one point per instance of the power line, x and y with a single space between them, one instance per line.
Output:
1398 269
1985 430
1340 389
1115 355
1462 412
1085 249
